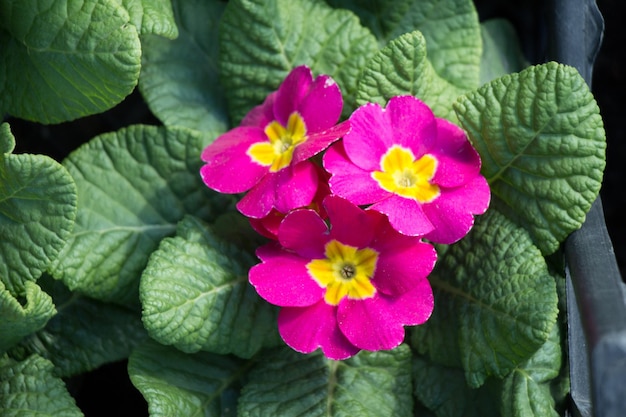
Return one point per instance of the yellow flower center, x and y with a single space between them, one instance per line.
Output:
277 153
345 272
401 174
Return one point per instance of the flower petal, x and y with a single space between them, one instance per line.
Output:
295 186
405 215
228 168
304 232
350 224
293 89
283 280
378 323
413 123
261 115
260 200
317 142
305 329
369 138
321 106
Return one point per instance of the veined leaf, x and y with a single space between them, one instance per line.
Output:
542 143
495 302
65 59
286 383
152 17
262 40
179 384
179 78
133 187
37 213
195 296
29 389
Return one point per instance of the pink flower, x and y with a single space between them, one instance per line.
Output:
268 153
419 170
351 287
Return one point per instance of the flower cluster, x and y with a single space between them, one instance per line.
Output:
349 253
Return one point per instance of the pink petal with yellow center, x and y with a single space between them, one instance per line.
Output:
405 215
228 168
378 323
369 138
291 92
413 123
261 115
317 142
452 213
458 160
321 106
304 232
350 224
305 329
282 279
350 181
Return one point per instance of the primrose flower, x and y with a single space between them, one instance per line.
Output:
268 153
419 170
345 288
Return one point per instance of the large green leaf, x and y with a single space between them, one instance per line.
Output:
179 78
502 53
262 40
402 67
65 59
195 295
495 302
152 17
134 185
20 320
179 384
37 213
542 143
29 388
84 334
286 383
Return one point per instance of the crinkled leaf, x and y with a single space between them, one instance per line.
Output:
152 17
65 59
286 383
37 213
179 77
262 40
133 187
195 295
85 333
495 302
179 384
502 53
542 144
29 388
20 320
402 67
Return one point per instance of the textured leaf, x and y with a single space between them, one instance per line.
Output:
133 187
195 296
179 384
28 388
502 53
179 77
542 144
85 333
152 17
37 213
65 59
262 40
286 383
495 302
402 68
20 320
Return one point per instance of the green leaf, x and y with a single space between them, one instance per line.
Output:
542 143
286 383
402 68
261 41
20 320
179 384
495 302
527 390
152 17
178 77
195 296
37 213
84 334
502 53
134 185
65 59
29 389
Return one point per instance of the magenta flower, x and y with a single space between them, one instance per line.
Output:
268 153
345 288
419 170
